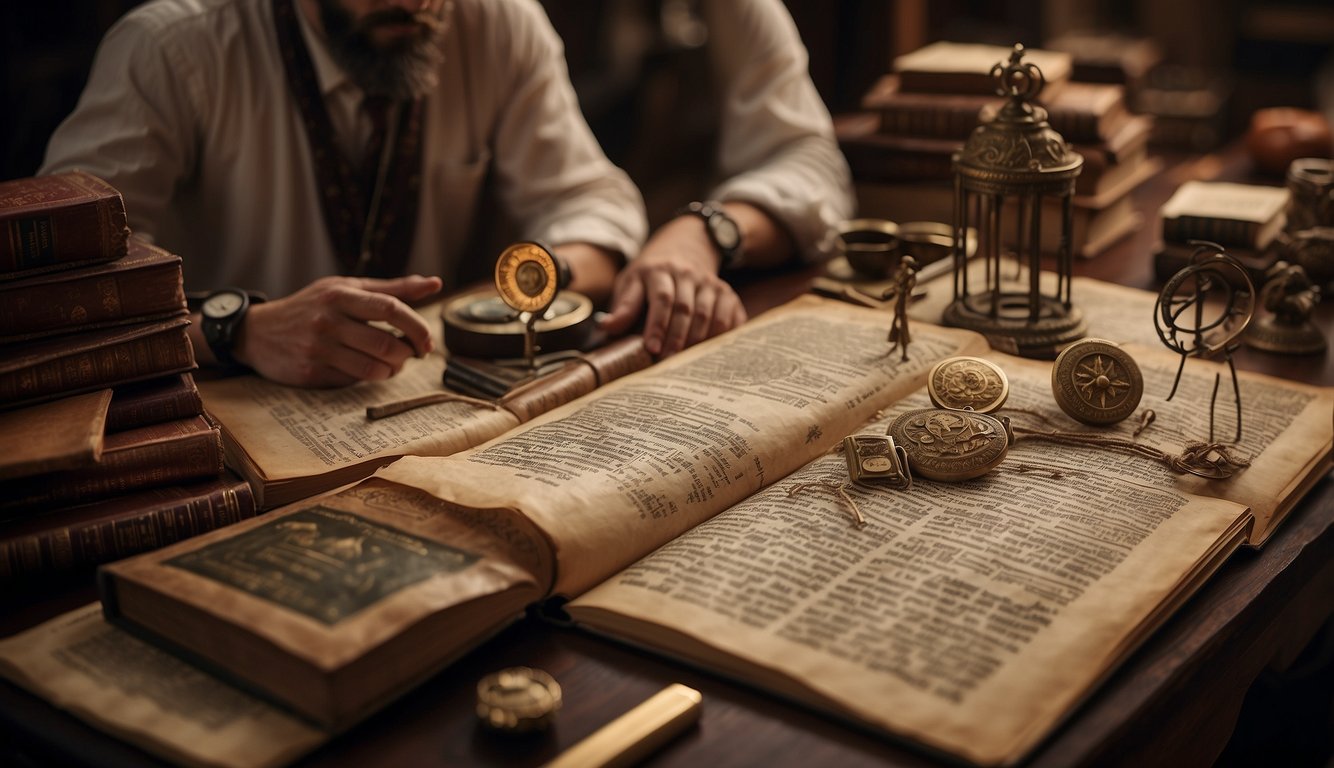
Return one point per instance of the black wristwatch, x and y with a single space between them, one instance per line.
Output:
222 312
722 228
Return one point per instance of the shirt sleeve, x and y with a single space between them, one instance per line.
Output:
552 175
776 140
133 124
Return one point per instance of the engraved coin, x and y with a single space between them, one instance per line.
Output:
517 700
1096 382
951 445
527 277
968 382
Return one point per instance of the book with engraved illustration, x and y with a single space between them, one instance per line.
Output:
59 221
144 457
45 369
967 617
79 537
144 285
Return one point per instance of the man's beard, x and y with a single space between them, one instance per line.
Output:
404 70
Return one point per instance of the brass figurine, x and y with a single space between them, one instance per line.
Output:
1291 297
905 281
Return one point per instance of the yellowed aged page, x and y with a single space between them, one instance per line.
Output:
150 698
613 475
294 436
968 617
1287 430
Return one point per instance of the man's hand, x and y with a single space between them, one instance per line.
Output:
676 274
321 335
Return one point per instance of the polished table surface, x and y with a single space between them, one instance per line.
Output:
1175 702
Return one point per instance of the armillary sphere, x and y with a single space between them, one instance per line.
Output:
1202 311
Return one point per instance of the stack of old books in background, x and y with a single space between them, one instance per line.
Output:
915 118
107 450
1244 219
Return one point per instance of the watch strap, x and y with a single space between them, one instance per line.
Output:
221 332
714 215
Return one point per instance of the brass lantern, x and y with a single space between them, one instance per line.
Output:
1012 167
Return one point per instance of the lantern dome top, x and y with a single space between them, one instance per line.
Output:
1017 146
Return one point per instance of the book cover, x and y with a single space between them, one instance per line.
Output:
62 434
153 401
144 285
44 369
949 67
159 454
1246 215
53 222
85 535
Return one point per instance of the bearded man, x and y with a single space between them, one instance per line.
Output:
331 154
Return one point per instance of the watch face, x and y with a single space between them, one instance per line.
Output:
222 304
725 231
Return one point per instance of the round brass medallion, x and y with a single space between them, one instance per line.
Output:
1096 382
951 445
517 699
968 382
527 277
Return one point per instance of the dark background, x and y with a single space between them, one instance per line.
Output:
634 66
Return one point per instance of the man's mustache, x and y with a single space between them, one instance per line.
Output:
398 16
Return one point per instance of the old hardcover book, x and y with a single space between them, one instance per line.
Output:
153 402
35 371
1245 215
62 434
967 617
291 442
159 454
1081 112
948 67
82 536
54 222
144 285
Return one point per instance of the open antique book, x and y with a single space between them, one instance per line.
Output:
694 508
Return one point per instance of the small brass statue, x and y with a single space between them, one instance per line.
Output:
905 281
1291 296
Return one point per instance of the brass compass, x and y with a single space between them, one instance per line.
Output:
1096 382
528 277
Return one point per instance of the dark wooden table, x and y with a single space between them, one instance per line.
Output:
1175 702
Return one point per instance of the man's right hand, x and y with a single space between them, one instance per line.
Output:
321 335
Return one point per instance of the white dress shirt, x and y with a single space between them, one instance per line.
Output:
188 113
776 145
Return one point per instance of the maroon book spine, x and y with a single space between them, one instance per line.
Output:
146 457
87 535
144 284
153 402
68 365
52 221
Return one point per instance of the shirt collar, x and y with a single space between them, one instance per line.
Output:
330 76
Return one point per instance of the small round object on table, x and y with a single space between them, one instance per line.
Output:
968 382
1096 382
518 700
950 445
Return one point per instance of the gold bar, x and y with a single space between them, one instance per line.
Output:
631 737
